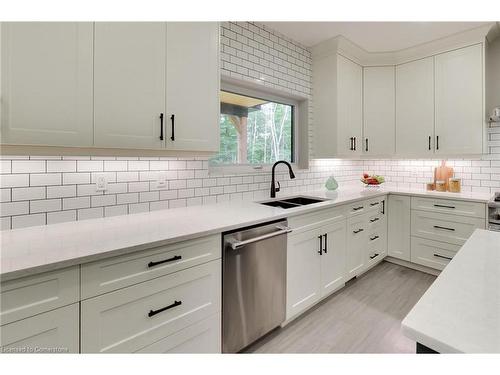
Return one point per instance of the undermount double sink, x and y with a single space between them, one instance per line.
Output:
292 202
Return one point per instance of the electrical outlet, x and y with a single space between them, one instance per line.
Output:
161 182
101 184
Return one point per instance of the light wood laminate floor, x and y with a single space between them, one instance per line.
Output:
363 317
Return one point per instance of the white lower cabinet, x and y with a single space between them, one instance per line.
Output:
315 264
131 319
55 331
303 271
333 257
431 253
356 241
399 222
201 337
444 227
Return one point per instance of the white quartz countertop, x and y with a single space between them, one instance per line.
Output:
43 248
460 312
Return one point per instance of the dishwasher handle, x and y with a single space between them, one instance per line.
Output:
282 229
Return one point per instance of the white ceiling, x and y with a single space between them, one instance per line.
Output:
372 36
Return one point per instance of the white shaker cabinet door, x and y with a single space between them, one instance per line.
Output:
55 331
415 108
349 107
399 226
333 257
192 116
46 78
129 84
379 110
356 246
303 271
459 101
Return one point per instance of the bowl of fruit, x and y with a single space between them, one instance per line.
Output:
373 180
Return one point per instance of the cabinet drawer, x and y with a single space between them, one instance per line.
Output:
55 331
365 206
130 319
122 271
31 295
432 253
454 207
357 208
306 221
201 337
377 246
444 227
376 221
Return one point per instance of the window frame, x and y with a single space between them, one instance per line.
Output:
263 94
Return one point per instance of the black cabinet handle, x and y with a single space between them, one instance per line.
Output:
161 126
326 243
374 204
320 251
373 238
374 219
366 148
444 228
441 256
172 119
358 231
357 208
374 255
383 207
154 312
354 143
443 206
429 142
437 142
173 259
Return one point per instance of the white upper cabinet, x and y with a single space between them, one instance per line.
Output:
193 86
379 110
46 93
349 107
129 84
459 101
415 108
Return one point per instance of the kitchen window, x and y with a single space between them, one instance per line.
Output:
256 129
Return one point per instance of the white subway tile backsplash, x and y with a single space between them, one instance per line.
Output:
61 216
5 223
28 220
61 191
90 213
14 208
76 178
90 166
138 207
61 166
28 166
127 198
115 165
5 166
102 200
115 210
5 195
45 205
14 180
74 203
45 179
28 193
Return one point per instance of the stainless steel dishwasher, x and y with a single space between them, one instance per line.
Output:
254 283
